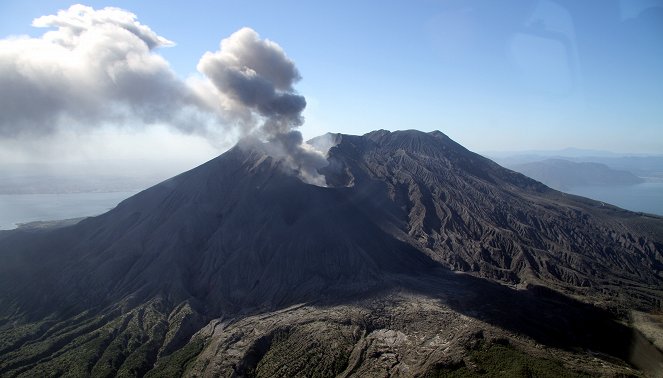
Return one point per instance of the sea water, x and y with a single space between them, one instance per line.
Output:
646 197
24 208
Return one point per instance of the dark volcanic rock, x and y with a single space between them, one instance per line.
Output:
472 215
234 234
241 236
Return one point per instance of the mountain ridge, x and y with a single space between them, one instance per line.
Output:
242 236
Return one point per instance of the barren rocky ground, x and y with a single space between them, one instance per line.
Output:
419 258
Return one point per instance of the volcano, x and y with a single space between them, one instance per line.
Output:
418 258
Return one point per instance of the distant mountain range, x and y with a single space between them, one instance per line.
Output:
104 176
569 153
418 258
644 166
564 174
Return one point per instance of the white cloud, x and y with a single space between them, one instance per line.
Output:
99 72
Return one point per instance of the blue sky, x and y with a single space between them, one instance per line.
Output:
507 75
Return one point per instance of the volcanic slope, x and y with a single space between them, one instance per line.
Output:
472 215
193 275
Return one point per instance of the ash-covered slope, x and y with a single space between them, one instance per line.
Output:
242 235
472 215
236 233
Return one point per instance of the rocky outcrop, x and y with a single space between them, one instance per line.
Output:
218 251
472 215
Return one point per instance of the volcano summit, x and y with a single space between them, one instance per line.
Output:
417 258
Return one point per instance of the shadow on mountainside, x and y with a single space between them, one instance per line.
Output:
540 313
237 236
544 315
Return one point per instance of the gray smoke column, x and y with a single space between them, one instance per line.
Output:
95 69
256 74
258 77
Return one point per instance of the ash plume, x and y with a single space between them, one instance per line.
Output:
97 68
101 68
258 77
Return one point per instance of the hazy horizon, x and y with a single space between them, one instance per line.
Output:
132 245
552 75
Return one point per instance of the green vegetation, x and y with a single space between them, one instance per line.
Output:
113 344
12 335
315 350
176 364
497 360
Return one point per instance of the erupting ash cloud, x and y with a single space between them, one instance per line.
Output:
97 68
256 74
258 77
100 68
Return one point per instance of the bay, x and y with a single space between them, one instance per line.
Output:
646 197
24 208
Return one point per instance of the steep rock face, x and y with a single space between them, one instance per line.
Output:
234 234
395 336
241 235
472 215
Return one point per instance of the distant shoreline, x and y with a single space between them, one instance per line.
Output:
36 210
